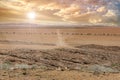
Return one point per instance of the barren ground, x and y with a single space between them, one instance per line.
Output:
52 54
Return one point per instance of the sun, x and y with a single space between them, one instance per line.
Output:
31 15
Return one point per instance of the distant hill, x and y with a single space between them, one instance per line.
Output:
14 25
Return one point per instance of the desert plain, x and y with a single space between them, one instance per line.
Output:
45 53
39 37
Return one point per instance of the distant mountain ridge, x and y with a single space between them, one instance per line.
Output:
3 25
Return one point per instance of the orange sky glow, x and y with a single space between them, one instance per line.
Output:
61 11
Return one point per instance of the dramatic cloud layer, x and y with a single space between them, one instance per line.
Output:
69 11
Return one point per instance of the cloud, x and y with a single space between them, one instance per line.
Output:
76 13
73 10
79 11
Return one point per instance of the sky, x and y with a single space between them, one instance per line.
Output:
104 12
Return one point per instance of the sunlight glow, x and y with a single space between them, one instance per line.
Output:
31 15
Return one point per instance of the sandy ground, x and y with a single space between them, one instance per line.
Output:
84 62
37 74
60 54
38 38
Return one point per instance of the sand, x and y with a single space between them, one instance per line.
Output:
38 38
60 53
